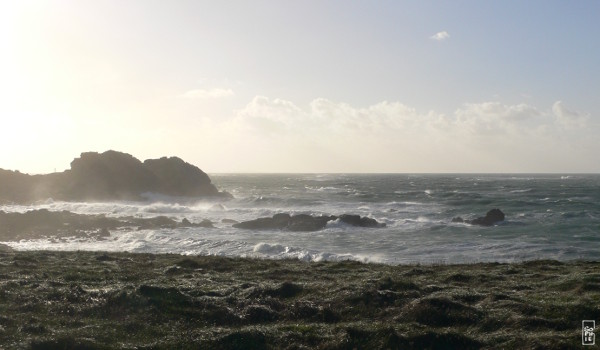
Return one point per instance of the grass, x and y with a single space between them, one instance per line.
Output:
93 300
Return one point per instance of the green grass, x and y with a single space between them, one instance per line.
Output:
92 300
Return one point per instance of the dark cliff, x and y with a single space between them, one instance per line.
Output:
109 176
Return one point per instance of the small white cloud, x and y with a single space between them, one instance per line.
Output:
440 36
208 93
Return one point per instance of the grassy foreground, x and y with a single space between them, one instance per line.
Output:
91 300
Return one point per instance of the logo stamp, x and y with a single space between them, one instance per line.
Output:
587 332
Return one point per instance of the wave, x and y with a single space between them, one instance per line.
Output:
279 251
522 191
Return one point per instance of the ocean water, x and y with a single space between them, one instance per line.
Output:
547 217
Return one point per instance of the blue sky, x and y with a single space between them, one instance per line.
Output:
304 86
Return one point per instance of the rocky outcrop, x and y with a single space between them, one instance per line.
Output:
491 218
44 223
305 222
356 220
110 176
178 178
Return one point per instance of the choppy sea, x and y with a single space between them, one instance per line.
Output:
547 217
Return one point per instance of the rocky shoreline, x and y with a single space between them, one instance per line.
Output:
43 223
95 300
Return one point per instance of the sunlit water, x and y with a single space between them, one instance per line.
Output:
547 216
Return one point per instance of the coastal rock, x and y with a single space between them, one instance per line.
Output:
278 221
356 220
491 218
110 176
304 222
178 178
44 223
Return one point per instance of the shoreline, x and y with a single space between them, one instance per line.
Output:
98 300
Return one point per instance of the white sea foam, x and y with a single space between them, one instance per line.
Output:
521 190
270 249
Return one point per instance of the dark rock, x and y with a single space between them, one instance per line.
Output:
157 222
205 223
45 223
278 221
492 217
304 222
178 178
356 220
109 176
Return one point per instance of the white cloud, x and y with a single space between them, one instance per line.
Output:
208 93
280 135
269 116
440 36
494 117
568 118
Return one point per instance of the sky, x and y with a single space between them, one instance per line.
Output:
303 86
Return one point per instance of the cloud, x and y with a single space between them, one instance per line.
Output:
208 93
383 118
326 135
440 36
494 117
269 115
568 118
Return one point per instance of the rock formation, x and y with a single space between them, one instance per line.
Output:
492 217
109 176
44 223
305 222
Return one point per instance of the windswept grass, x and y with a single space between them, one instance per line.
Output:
91 300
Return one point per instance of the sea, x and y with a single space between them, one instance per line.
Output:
548 216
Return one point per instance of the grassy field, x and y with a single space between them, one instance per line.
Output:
93 300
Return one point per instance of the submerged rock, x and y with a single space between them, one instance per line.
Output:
305 222
492 217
